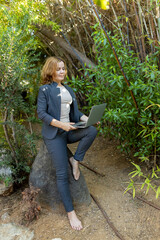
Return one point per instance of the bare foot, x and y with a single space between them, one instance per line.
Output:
75 168
74 221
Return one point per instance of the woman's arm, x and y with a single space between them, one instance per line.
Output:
65 126
42 108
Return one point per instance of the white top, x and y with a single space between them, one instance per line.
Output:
66 100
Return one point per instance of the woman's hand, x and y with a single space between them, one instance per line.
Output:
68 126
65 126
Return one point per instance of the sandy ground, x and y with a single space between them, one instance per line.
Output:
133 219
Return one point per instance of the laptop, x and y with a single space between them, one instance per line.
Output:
95 116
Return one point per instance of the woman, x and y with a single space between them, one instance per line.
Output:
58 109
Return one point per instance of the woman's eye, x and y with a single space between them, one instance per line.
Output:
58 69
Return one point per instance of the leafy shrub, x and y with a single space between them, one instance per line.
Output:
18 75
139 132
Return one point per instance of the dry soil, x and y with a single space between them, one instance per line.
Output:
133 219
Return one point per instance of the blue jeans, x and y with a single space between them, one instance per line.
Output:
57 149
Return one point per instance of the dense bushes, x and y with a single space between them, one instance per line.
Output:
18 90
20 52
139 132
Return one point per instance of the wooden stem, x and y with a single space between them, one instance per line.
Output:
84 165
147 202
7 137
107 218
30 124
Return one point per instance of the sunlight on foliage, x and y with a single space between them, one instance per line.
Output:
19 72
36 12
104 4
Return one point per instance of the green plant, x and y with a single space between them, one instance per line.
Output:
136 132
149 153
148 180
18 90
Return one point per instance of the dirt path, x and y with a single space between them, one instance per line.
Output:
134 219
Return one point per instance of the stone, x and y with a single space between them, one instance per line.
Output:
5 190
4 170
10 231
56 239
43 176
5 216
5 173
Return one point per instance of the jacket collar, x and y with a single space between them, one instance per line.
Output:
55 84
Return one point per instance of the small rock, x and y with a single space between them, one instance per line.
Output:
5 172
10 231
5 216
6 190
56 239
3 169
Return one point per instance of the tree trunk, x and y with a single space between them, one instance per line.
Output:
67 47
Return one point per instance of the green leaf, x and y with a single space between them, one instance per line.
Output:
158 192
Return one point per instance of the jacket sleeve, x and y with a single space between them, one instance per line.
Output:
42 107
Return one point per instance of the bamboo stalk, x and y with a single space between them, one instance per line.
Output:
113 24
119 28
142 51
149 22
74 25
158 18
153 30
89 38
156 24
144 21
157 28
127 22
79 36
140 16
129 26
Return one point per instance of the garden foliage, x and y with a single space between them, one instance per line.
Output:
139 132
20 52
18 90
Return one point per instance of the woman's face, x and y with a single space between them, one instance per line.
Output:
59 73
